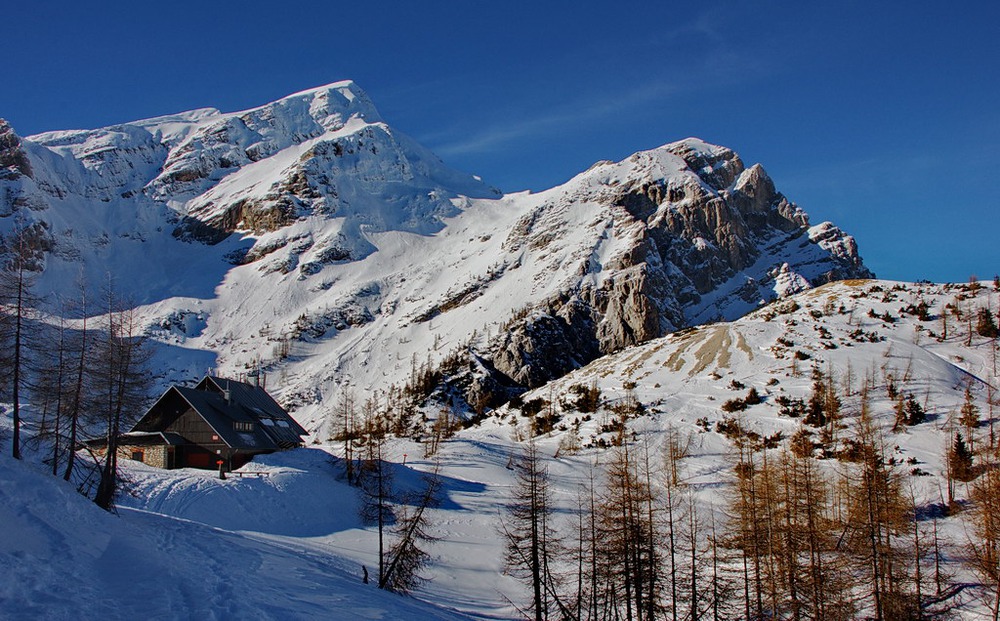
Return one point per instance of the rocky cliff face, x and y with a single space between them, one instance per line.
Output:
311 239
13 160
699 237
14 165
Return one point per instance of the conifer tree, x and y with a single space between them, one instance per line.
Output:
632 541
816 413
531 541
54 390
960 460
827 580
592 575
582 555
984 545
375 478
676 447
123 381
985 325
407 556
924 549
915 413
17 281
348 431
745 531
990 402
969 417
875 519
721 597
80 386
899 415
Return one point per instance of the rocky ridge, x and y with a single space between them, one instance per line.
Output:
320 244
699 234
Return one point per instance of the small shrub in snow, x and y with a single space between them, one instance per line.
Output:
588 398
914 412
734 405
791 407
753 397
533 406
985 325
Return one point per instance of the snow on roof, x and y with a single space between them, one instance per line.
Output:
168 437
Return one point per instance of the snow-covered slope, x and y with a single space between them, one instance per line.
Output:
879 331
857 332
309 238
63 558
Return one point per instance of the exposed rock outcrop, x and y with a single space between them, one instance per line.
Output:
13 159
703 238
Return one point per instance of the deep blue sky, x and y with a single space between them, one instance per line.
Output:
884 119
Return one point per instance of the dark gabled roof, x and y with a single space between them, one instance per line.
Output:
220 416
261 407
224 403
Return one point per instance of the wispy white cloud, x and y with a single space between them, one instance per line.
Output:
718 70
665 61
582 111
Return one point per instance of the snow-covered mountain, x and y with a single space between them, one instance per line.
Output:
297 523
639 302
889 341
310 239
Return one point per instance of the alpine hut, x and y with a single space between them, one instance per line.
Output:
219 420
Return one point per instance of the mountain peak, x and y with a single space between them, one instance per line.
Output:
348 88
675 163
693 144
326 230
330 105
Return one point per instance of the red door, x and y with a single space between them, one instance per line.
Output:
199 460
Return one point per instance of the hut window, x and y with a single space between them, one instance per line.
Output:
242 426
136 455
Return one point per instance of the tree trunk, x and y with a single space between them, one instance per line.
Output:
16 398
74 420
59 398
